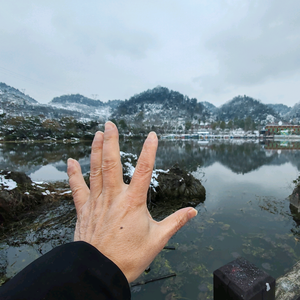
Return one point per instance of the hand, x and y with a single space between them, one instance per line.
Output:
113 216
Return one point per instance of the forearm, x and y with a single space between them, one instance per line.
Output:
72 271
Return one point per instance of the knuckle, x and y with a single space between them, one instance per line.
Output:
76 190
109 164
95 172
179 223
96 147
144 168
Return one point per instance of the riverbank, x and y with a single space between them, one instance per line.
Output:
38 216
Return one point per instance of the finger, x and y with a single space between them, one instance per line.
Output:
96 164
79 189
170 225
111 161
141 178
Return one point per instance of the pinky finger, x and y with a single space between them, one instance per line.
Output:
79 189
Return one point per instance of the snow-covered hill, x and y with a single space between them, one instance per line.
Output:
161 106
241 107
155 107
95 109
14 95
280 109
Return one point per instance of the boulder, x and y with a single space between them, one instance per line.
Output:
173 189
169 190
177 185
14 194
19 195
288 285
294 198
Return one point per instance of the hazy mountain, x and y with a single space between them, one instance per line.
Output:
242 107
294 113
280 109
76 99
161 106
8 93
210 107
15 103
158 106
95 109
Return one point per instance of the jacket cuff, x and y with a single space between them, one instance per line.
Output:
75 270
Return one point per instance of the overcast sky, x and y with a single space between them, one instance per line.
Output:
210 50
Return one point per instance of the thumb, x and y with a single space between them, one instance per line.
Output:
80 191
171 224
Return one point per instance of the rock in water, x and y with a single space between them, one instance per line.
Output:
19 195
295 197
177 185
288 285
14 195
175 189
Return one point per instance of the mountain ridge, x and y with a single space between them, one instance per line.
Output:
159 105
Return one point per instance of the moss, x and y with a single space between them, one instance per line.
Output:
201 270
225 227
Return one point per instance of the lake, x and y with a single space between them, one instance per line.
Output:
246 212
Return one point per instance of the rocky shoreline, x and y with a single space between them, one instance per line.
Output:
38 216
288 285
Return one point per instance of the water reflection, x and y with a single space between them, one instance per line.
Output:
30 158
239 156
246 212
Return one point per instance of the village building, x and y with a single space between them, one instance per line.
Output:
282 129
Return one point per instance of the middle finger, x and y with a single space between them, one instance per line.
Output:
111 161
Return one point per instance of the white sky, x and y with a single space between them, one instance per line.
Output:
211 50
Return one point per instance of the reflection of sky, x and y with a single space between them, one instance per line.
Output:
268 180
48 173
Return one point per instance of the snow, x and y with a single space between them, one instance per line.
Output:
154 183
67 192
103 112
270 119
130 169
9 184
128 154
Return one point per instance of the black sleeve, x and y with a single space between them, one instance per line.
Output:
72 271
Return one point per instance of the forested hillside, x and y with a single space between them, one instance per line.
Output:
241 107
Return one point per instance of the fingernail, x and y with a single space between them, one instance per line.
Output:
98 135
152 135
69 162
109 126
192 213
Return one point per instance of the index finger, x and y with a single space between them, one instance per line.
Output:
141 178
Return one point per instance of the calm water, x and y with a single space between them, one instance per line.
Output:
246 211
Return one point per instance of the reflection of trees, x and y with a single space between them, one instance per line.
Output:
187 155
240 158
29 157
